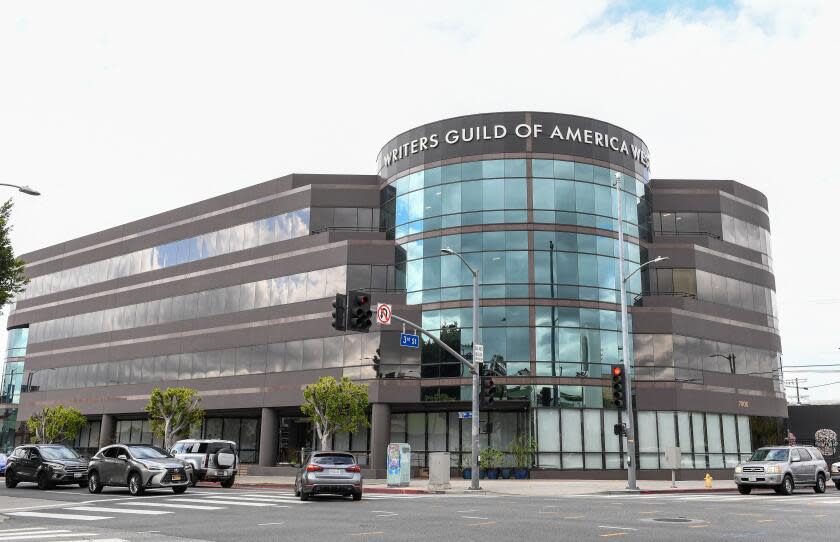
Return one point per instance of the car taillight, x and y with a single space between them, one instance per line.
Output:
354 468
314 468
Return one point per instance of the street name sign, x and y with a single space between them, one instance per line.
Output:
409 341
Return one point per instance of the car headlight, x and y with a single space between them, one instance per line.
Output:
153 467
188 466
835 468
773 470
739 469
56 466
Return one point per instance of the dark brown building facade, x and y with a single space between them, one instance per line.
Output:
232 296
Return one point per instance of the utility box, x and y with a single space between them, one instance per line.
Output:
439 471
399 464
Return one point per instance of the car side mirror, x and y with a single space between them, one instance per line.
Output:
122 457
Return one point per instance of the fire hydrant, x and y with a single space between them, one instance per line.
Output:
708 478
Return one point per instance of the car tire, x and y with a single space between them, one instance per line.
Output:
297 489
193 480
135 484
304 496
819 487
11 483
357 495
179 489
744 490
94 485
786 487
44 481
227 483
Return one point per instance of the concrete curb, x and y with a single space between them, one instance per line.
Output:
367 489
667 491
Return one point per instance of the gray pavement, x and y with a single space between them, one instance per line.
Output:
255 514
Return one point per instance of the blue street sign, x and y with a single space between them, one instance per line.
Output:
465 415
411 341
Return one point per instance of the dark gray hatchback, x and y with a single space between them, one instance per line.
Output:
47 465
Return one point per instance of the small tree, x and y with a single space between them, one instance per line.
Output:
173 412
12 277
335 406
55 424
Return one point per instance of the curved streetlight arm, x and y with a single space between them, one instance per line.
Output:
659 259
23 188
449 252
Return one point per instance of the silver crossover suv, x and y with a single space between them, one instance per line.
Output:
335 473
138 467
782 468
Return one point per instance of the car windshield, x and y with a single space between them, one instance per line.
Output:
148 452
58 452
770 454
333 459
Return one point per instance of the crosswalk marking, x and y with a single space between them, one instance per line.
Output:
117 510
221 501
20 530
284 500
50 515
48 534
170 505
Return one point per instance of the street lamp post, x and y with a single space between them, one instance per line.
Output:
23 188
476 382
631 429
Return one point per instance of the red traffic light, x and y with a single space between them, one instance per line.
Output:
616 370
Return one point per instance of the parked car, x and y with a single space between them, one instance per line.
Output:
2 463
47 465
137 467
212 460
335 473
835 474
782 468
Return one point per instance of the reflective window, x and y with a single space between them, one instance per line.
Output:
259 232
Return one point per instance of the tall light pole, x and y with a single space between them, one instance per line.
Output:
476 381
631 427
23 188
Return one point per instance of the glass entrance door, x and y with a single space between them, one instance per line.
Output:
294 440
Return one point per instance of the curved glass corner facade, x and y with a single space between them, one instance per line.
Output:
546 248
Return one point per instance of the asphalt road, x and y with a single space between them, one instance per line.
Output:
211 513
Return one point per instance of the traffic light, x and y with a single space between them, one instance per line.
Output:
339 314
488 390
618 386
359 312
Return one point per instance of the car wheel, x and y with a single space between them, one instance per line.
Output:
135 484
820 485
786 488
11 483
304 496
357 495
179 489
44 481
228 482
93 483
744 490
193 480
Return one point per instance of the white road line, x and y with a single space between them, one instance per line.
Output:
473 517
274 523
262 499
172 505
60 534
50 515
619 528
11 536
220 501
117 510
97 540
21 529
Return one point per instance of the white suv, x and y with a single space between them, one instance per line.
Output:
212 460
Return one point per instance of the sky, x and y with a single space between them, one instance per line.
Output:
118 110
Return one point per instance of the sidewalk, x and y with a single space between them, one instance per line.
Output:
534 488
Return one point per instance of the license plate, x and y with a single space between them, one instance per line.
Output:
752 478
176 477
333 471
77 475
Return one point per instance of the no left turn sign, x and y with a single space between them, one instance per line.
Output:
383 313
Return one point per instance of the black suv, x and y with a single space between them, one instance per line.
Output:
47 465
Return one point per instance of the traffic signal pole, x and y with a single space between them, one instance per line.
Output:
473 367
